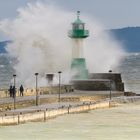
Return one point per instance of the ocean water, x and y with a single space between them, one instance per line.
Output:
6 70
120 123
130 70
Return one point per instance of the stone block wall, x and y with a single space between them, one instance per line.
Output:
115 78
100 82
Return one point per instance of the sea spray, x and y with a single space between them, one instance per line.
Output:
101 50
40 43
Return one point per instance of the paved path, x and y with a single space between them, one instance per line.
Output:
63 104
68 94
49 105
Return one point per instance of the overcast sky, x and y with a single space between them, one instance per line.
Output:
111 13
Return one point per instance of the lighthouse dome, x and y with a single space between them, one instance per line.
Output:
78 28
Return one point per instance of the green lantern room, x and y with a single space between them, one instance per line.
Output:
78 28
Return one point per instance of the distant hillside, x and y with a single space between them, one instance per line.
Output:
129 36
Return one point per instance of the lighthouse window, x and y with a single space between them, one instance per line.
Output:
75 26
78 26
81 26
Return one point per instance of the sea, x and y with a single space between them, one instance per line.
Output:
130 70
120 123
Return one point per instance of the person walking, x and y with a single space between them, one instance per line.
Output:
11 91
21 90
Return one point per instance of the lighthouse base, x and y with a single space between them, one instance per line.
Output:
79 69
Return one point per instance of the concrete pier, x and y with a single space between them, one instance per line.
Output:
7 104
43 115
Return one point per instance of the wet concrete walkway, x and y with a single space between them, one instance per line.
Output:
68 94
49 106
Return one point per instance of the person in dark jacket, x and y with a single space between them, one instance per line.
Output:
11 91
21 90
14 92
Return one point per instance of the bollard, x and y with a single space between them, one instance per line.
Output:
69 108
89 106
18 119
44 115
109 104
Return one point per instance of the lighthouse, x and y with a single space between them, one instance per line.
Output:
78 33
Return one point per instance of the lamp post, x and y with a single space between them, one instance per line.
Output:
14 90
110 86
59 85
37 96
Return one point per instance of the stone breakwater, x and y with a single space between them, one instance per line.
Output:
44 115
6 104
